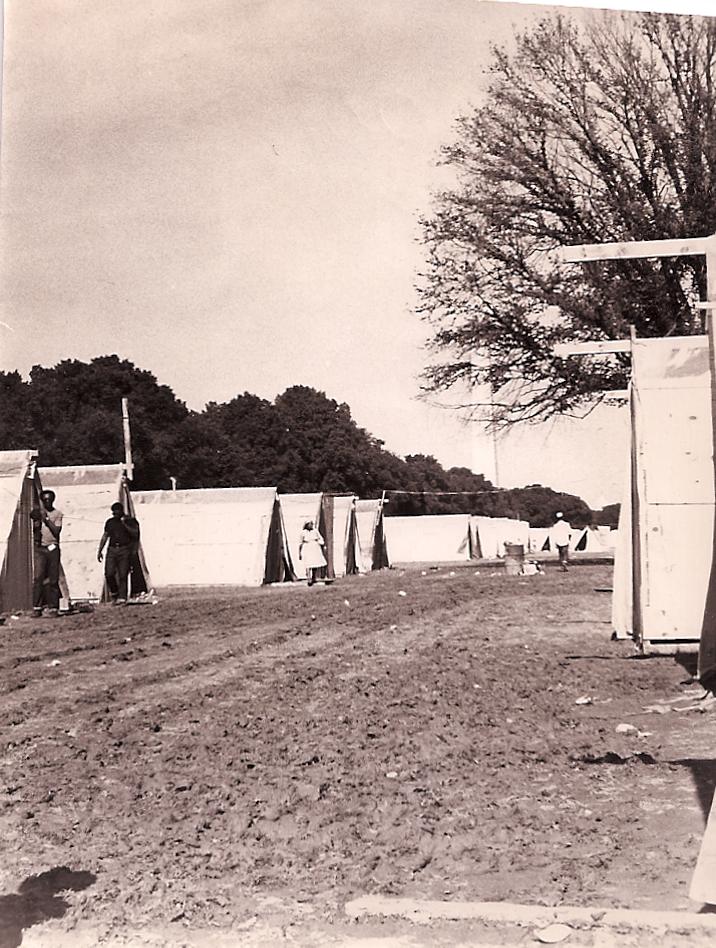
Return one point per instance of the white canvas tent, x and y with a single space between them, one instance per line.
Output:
665 548
432 538
539 540
371 536
339 524
593 540
18 495
491 534
213 536
85 495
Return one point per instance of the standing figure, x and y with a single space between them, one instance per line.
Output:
560 536
310 551
120 533
46 528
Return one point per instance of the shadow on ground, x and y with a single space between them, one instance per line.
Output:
37 900
703 773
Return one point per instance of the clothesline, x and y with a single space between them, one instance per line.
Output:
464 493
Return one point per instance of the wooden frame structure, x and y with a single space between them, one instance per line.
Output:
703 883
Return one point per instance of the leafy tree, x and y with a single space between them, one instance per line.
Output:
324 448
304 441
608 516
588 134
16 431
251 440
462 489
539 505
75 416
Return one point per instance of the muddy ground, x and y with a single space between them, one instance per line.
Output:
406 734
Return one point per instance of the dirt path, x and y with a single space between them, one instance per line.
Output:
203 754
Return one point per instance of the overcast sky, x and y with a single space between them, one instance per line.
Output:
226 192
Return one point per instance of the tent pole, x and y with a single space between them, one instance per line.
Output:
127 440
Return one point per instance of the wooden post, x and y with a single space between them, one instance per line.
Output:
127 440
637 571
703 882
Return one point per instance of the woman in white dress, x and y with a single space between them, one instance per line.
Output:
310 551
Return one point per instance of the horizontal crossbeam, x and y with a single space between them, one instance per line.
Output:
625 250
565 349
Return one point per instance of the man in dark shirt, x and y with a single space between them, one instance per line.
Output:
120 533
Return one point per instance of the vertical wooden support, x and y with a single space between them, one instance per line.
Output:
707 643
127 440
636 483
703 882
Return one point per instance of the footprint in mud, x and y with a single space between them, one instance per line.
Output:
37 900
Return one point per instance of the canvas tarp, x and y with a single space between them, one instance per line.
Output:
539 540
432 538
371 536
212 537
593 540
85 495
490 534
665 544
18 495
338 518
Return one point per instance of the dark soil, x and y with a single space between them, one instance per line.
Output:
325 743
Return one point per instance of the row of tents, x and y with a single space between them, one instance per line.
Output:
249 536
461 537
244 536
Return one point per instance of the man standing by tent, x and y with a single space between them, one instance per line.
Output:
120 533
561 533
46 528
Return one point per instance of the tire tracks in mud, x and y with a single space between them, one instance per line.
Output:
171 655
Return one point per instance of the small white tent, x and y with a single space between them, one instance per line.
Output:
539 540
85 495
491 534
593 540
213 536
432 538
371 536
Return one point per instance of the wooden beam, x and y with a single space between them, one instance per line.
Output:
637 249
703 882
598 347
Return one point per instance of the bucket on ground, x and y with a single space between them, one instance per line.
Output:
514 558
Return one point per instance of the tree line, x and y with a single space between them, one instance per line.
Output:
302 441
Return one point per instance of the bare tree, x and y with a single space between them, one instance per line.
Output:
596 133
